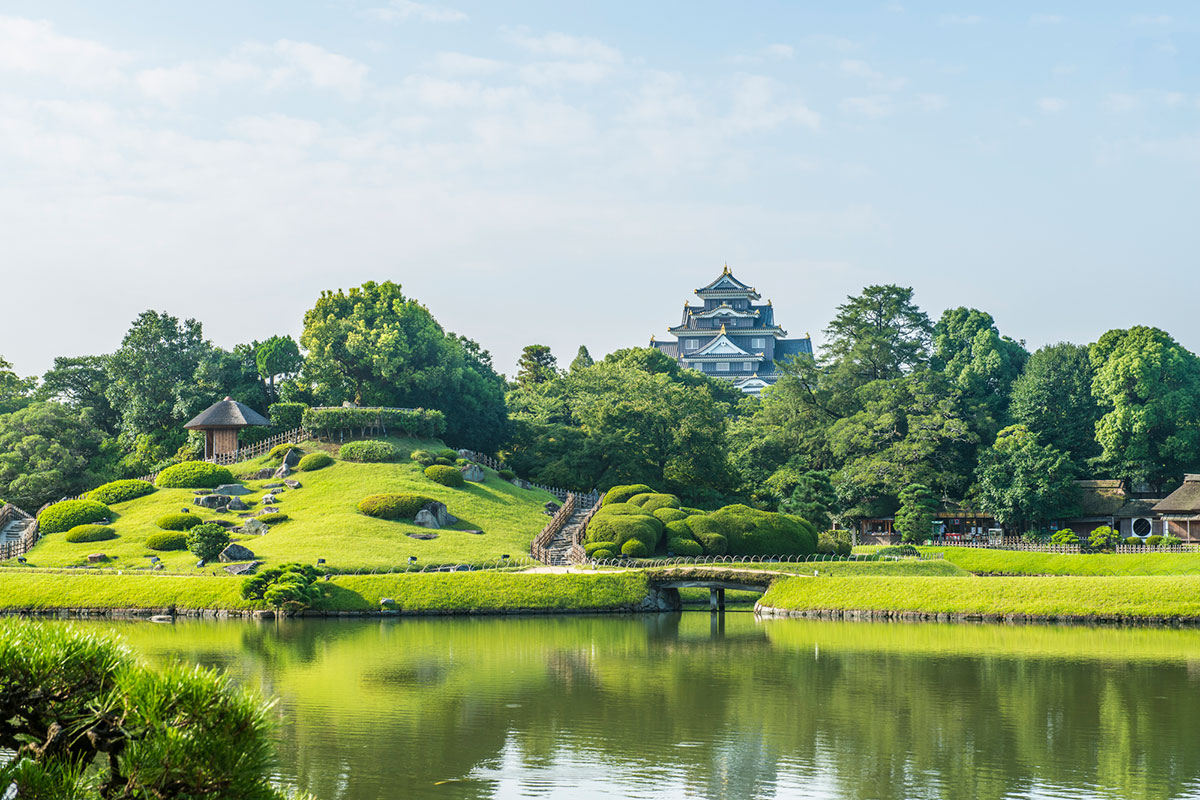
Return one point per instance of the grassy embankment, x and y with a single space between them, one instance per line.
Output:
435 592
324 521
1010 562
1060 596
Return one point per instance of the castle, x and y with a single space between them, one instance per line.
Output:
731 336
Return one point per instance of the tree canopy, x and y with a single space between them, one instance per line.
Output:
1024 483
536 365
1053 399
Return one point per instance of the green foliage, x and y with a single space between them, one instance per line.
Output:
1066 536
602 553
1103 538
507 475
48 451
651 502
193 475
684 547
178 522
90 533
79 382
272 517
290 587
668 515
286 416
369 452
980 363
1153 541
878 335
207 540
904 550
423 457
634 548
621 522
709 533
834 543
583 359
1133 540
592 547
536 365
69 513
1171 541
914 520
812 498
621 494
393 506
280 451
443 462
1023 483
165 541
1053 399
749 531
448 453
446 476
120 491
314 461
277 356
419 422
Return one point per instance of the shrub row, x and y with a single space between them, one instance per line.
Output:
167 540
90 533
368 452
393 506
120 491
314 461
69 513
193 475
396 421
178 521
445 475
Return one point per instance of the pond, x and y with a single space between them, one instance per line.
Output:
712 706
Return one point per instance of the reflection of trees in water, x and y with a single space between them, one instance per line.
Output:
376 710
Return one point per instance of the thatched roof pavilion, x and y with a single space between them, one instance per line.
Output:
221 421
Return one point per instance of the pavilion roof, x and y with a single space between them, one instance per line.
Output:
227 413
1183 500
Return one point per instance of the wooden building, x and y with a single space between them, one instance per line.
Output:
1180 510
221 422
1111 503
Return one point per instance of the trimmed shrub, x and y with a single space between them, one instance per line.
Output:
279 451
619 509
446 476
634 548
667 515
1064 537
286 416
684 547
708 534
447 452
167 540
898 550
651 502
291 587
621 494
423 457
443 462
1154 541
314 461
393 506
206 541
1103 538
419 422
507 475
592 547
90 533
620 528
193 475
178 522
120 491
691 512
69 513
1171 541
750 532
602 554
1133 540
368 452
272 518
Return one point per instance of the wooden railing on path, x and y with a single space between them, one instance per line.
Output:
577 554
10 513
540 549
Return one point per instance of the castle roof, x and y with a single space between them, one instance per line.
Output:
722 346
727 286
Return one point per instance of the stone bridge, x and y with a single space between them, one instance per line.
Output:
666 583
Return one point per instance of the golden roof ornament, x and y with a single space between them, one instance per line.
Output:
726 270
722 328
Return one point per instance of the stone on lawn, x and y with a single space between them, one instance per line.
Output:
232 489
212 501
440 513
235 552
202 491
552 507
292 458
242 569
95 558
476 533
282 472
422 535
262 474
238 504
272 485
255 526
426 519
521 483
268 500
473 473
292 484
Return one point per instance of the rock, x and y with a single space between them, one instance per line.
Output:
272 485
237 504
227 524
232 489
242 569
426 519
235 552
476 533
552 507
255 527
202 491
157 566
282 472
521 483
440 513
473 473
222 510
268 500
292 458
96 558
422 535
212 501
162 618
292 484
243 516
262 474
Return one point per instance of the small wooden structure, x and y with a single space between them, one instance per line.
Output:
1181 510
221 422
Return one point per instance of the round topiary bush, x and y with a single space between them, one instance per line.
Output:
1133 541
272 518
750 532
592 547
651 501
178 522
69 513
370 451
166 540
423 457
1153 541
206 541
314 461
120 491
708 534
618 525
193 475
445 475
621 494
393 506
443 462
684 547
90 533
602 554
507 475
280 450
668 515
634 548
447 452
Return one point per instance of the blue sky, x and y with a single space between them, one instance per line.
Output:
566 173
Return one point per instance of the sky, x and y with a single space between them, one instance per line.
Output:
567 173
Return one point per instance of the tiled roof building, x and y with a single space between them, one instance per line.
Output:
732 336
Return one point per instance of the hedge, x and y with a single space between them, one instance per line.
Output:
751 532
446 476
708 533
120 491
193 475
314 461
69 513
619 526
272 517
370 451
393 506
652 501
621 494
286 416
178 521
669 515
684 547
419 422
90 533
423 457
167 540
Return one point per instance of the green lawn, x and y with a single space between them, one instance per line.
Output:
325 523
94 590
1135 596
1012 562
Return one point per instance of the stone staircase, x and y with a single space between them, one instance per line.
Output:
559 547
14 527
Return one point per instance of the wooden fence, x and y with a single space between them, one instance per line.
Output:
294 436
540 549
577 554
10 513
1018 544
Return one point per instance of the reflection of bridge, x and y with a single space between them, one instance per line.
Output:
716 580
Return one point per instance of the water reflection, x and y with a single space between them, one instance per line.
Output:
699 706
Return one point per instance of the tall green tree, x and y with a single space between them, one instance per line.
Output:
81 382
1024 483
812 498
278 356
914 519
49 451
1148 389
14 390
582 359
980 363
877 335
1053 399
536 365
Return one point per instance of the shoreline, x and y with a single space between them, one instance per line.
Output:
964 617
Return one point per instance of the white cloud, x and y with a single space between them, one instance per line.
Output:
929 101
779 52
562 45
875 106
760 103
404 10
960 19
463 64
325 69
877 80
1047 19
1051 105
1120 103
34 47
554 72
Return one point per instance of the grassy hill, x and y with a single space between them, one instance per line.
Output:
324 521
